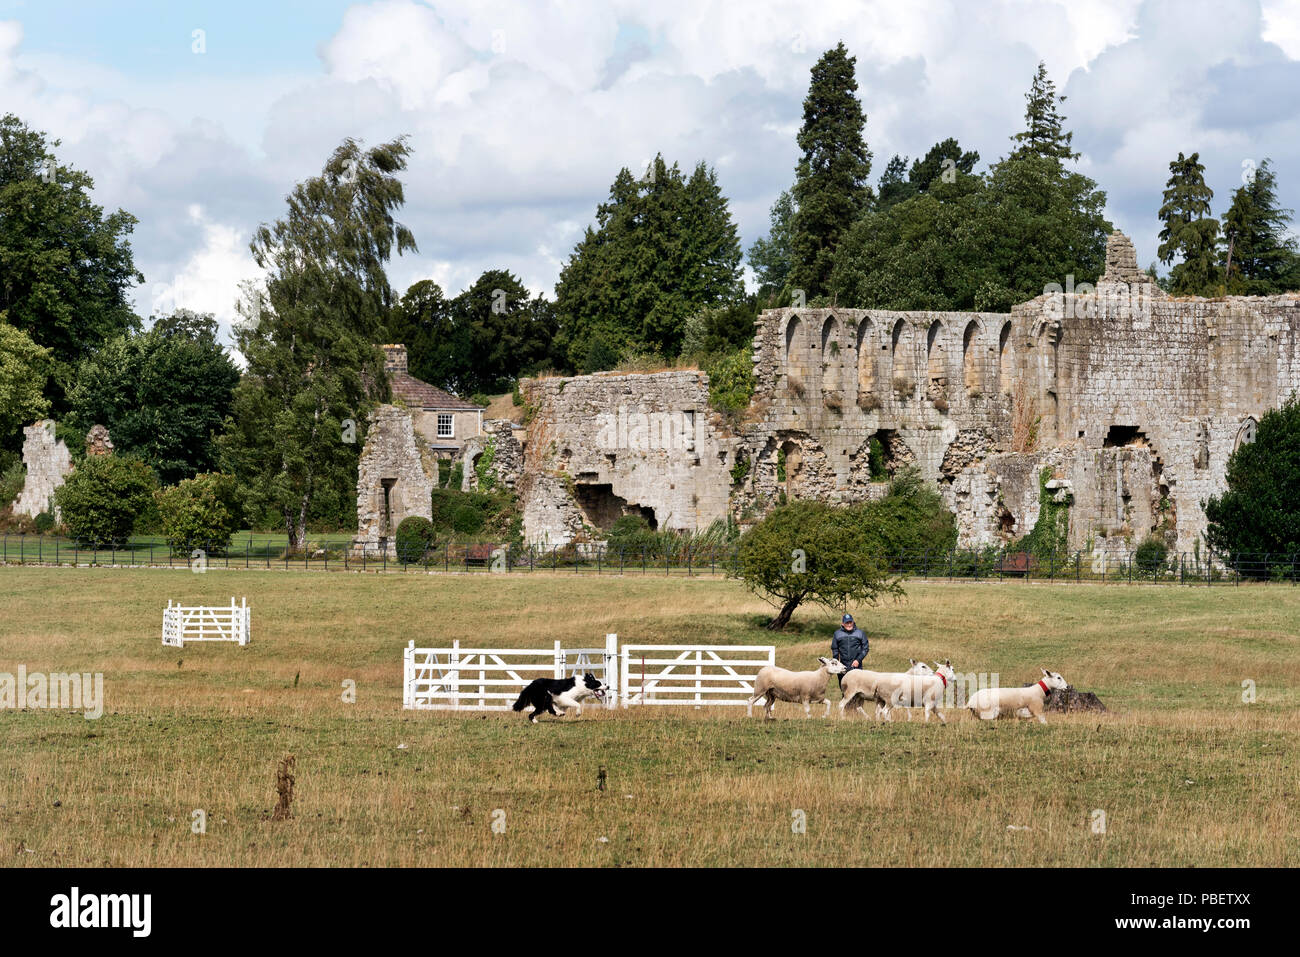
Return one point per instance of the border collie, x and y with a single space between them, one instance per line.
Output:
547 694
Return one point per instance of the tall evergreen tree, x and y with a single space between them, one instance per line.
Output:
944 159
311 344
830 189
663 247
1044 133
506 332
1190 231
894 185
65 267
1264 260
770 257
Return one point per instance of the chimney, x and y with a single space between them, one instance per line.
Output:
394 358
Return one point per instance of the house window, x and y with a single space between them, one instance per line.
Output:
445 425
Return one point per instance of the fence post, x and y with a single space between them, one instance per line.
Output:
408 675
611 670
559 661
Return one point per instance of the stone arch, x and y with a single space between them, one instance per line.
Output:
1006 357
793 328
1245 432
936 375
832 361
970 369
794 355
866 361
900 359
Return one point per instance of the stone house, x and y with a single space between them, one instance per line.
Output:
442 420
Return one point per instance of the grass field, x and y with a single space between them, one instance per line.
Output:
1186 773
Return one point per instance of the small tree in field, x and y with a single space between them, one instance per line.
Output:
810 551
1260 511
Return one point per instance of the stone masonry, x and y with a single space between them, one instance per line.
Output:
48 464
1116 400
395 479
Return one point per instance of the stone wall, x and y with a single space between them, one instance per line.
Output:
1134 400
395 479
48 464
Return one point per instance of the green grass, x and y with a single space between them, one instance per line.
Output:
1186 773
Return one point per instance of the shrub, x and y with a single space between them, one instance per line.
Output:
414 538
1260 511
467 519
911 519
202 512
12 476
44 523
631 534
1151 554
731 382
101 500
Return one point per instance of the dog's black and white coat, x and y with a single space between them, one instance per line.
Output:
547 694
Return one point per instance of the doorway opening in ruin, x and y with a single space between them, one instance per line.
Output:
601 508
1121 436
386 525
789 468
886 453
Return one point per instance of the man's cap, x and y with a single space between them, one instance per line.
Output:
846 619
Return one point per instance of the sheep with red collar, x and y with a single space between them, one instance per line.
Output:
990 703
922 690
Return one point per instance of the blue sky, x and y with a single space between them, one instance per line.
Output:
520 114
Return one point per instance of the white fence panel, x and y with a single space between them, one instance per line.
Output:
182 623
490 679
698 675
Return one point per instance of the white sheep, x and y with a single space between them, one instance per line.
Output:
861 685
805 687
990 703
923 691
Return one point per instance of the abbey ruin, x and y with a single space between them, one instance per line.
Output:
1119 402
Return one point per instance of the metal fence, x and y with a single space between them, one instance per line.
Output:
337 554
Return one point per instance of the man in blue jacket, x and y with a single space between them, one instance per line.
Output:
849 645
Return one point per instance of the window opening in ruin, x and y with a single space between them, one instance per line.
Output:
970 360
1120 436
866 361
792 466
1004 359
936 374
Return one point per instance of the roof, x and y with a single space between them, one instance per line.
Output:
424 396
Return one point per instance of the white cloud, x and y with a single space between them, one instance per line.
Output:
519 115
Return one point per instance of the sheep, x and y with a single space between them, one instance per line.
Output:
923 690
989 703
858 686
778 684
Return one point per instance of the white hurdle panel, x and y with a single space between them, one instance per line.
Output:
490 679
182 623
698 675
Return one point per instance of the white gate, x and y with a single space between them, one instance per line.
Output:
699 675
182 623
490 679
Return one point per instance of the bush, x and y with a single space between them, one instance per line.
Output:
1260 511
12 476
467 519
101 500
1151 554
44 523
910 520
631 534
731 381
202 512
414 539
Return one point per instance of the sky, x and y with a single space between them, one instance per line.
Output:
199 117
